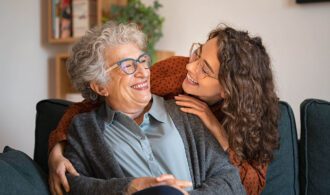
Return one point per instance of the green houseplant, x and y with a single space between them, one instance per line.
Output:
145 16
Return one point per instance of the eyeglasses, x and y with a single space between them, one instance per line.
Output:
129 65
204 70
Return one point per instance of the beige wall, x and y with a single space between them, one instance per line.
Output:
296 36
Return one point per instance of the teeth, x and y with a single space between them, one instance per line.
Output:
142 85
191 79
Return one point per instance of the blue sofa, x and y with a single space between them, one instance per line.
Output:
19 174
314 147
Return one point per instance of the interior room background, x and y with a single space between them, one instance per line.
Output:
297 38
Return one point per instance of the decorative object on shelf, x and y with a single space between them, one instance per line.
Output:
311 1
70 19
84 16
66 19
145 16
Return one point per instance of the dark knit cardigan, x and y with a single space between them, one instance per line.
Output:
100 173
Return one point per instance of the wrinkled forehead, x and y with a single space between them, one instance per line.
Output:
119 52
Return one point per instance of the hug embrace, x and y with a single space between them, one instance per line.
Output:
203 124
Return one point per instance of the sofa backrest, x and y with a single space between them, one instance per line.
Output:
314 147
49 112
282 174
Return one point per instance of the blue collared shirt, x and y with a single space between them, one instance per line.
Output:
151 149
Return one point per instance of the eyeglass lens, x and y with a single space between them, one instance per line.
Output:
129 66
195 52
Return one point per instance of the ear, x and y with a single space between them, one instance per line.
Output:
99 89
222 94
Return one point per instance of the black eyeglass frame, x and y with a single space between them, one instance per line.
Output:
192 58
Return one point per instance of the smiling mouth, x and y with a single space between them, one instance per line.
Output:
191 80
141 86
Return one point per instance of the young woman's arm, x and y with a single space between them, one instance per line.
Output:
57 163
253 176
60 133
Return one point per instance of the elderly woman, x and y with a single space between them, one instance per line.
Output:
134 140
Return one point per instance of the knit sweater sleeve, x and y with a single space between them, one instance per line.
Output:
221 177
253 176
98 170
60 133
211 171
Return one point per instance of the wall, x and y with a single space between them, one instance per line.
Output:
296 36
24 70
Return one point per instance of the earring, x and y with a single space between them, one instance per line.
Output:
93 96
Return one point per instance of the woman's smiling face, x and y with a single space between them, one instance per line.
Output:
203 71
125 90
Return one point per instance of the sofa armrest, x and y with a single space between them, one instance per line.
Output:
49 112
20 174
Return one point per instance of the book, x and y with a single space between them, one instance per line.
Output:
66 19
56 10
84 16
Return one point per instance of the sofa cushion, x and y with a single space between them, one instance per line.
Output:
49 112
315 147
20 174
282 173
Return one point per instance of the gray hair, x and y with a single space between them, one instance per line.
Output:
87 59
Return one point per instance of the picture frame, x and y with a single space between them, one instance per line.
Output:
311 1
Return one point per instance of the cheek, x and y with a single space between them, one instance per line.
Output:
118 85
123 83
211 88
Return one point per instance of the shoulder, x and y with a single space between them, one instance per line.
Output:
86 120
171 107
189 122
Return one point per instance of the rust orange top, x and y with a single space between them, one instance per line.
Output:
166 80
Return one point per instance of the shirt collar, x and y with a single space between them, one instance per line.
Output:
110 114
157 110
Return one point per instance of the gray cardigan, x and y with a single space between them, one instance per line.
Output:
100 173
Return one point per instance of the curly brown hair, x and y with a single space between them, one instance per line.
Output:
250 104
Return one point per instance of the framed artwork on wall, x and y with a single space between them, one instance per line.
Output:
311 1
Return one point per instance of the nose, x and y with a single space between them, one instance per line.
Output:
192 67
141 71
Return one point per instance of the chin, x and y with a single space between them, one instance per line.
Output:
147 98
144 99
189 90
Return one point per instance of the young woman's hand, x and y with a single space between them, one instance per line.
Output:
142 183
58 166
195 106
170 180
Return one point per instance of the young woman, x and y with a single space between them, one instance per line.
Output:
231 89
